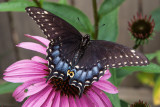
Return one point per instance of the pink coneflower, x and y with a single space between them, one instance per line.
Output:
32 73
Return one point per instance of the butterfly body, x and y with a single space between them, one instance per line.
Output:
75 56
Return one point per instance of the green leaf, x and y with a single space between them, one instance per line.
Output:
15 5
8 87
109 31
151 56
156 17
108 6
156 92
158 56
123 103
121 74
71 15
113 97
125 71
63 2
151 68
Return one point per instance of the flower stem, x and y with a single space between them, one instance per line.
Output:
38 3
94 4
137 44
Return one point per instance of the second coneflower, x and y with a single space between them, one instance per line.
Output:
141 28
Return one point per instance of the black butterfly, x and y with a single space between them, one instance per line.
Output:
83 60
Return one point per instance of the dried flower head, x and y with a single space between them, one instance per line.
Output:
141 27
140 104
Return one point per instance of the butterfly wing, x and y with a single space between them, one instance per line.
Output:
65 40
101 55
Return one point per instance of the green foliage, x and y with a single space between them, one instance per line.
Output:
8 87
72 16
16 5
158 56
156 17
124 104
63 2
108 6
109 31
151 68
151 56
114 97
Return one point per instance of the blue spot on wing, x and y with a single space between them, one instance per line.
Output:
83 76
55 53
95 70
59 65
56 60
89 75
77 74
99 65
65 67
56 47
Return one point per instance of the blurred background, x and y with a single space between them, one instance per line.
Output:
14 25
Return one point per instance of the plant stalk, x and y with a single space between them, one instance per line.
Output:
96 19
38 3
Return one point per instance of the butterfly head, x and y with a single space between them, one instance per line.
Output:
85 40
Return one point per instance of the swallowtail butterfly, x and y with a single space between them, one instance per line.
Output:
73 55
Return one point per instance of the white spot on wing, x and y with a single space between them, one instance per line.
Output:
45 12
126 56
95 78
133 51
55 72
38 13
87 82
77 66
46 20
42 25
52 66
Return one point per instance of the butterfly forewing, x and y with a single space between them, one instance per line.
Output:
52 25
111 55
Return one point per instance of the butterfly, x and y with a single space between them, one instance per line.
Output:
73 55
